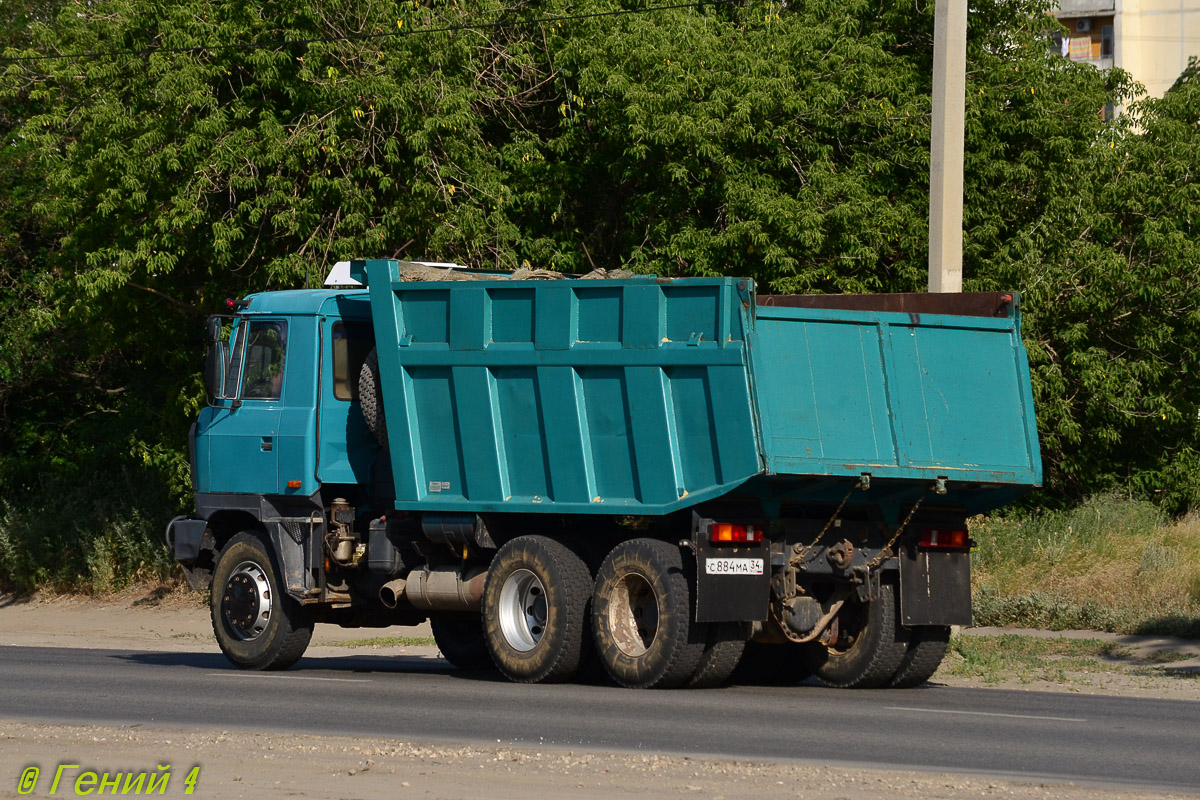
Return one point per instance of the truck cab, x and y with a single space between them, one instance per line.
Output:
282 436
288 369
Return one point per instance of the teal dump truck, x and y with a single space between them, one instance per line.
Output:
660 478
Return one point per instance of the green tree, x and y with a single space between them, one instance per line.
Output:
1111 268
228 147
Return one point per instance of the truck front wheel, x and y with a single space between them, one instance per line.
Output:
535 607
869 648
257 625
642 617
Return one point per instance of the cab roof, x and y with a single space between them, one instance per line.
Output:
302 301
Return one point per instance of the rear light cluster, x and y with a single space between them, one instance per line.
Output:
945 539
728 532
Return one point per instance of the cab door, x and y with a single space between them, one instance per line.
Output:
346 446
239 432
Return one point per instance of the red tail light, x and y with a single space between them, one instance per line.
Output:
945 539
728 532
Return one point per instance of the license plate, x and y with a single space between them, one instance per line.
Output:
733 566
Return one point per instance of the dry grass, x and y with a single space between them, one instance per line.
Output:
1111 564
1027 659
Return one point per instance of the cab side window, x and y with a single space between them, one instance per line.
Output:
351 343
266 346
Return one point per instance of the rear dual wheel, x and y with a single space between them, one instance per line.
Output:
540 597
461 641
724 648
775 663
536 603
926 648
642 618
870 647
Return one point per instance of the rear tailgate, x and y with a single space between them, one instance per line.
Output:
934 390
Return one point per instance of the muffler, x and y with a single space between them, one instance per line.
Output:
442 588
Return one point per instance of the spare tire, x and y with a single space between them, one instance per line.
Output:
370 397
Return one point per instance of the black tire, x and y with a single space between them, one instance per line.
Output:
591 552
461 641
870 647
370 397
722 652
642 616
257 625
535 610
926 648
768 664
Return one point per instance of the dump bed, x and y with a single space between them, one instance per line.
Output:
645 395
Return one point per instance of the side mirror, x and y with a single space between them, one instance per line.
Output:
214 368
214 329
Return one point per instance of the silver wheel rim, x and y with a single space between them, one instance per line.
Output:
246 604
522 610
633 614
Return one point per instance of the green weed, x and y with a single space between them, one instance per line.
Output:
386 641
93 533
1112 564
1031 658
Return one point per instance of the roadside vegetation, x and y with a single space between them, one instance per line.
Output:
1011 657
87 530
387 641
1111 564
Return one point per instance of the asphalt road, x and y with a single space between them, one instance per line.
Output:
1111 740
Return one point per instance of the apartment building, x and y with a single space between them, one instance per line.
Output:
1150 39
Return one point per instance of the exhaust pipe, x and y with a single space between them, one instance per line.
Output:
390 592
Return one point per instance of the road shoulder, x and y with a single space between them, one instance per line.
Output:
236 764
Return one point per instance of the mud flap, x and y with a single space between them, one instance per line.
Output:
187 534
733 582
292 561
935 587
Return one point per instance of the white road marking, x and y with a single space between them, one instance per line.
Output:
276 677
986 714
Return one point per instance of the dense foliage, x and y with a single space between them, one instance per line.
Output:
788 142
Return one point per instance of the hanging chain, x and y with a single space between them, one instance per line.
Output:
877 560
874 563
800 554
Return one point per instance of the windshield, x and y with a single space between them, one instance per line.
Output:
266 344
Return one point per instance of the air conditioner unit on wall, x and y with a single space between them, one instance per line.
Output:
1083 25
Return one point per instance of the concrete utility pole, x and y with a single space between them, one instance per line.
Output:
946 146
